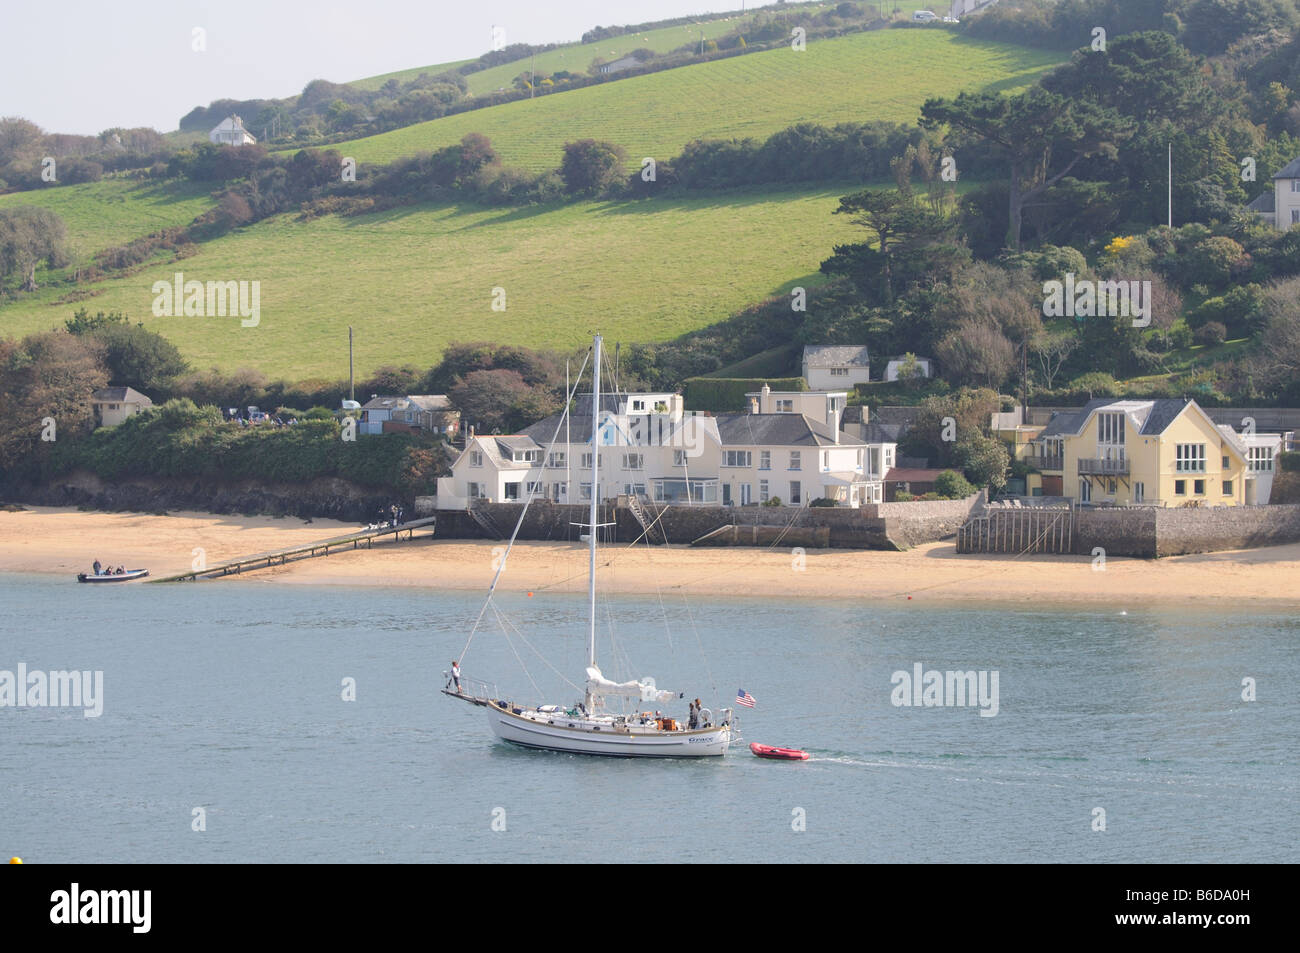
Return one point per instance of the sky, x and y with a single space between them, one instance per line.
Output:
82 66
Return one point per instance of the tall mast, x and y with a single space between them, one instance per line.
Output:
595 489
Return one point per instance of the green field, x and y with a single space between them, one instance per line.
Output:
115 210
412 280
577 57
884 75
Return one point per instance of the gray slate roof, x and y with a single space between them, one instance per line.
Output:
1290 171
835 355
579 420
1264 203
120 395
778 430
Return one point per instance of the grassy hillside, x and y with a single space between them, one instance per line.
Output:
577 57
885 74
412 280
115 210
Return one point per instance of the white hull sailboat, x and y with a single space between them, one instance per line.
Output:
588 727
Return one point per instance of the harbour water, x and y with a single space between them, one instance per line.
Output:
228 698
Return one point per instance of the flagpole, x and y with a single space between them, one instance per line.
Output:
1171 185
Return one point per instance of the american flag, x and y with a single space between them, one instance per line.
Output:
744 698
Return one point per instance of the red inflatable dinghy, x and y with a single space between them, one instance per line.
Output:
780 754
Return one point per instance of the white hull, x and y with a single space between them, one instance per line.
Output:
585 737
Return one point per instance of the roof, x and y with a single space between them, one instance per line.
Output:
1153 417
835 355
430 401
1233 439
911 475
1264 203
1291 170
579 420
881 433
120 395
779 430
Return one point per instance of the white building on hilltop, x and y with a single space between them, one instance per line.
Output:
231 132
1280 206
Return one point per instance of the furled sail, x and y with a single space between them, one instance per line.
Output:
643 690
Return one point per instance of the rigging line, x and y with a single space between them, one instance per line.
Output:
501 567
506 633
505 620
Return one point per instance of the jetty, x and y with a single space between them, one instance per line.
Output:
280 557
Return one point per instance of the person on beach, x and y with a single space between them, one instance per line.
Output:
455 674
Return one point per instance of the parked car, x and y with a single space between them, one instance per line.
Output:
923 16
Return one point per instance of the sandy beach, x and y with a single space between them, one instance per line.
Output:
67 541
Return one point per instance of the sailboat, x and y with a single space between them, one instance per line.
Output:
589 726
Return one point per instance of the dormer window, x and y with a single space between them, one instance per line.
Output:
785 406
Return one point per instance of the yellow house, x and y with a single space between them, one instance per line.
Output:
112 405
1160 452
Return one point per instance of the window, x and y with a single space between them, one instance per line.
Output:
476 458
826 459
634 489
762 491
1261 458
512 491
736 458
526 456
1110 487
1189 457
1110 428
859 461
1180 487
889 458
1227 488
472 492
1085 492
746 496
584 491
1295 185
586 462
679 458
765 459
1198 487
1139 492
638 405
1295 214
633 461
795 493
559 491
1226 464
839 372
534 488
795 457
558 460
785 406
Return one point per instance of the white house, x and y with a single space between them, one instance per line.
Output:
1281 207
618 65
789 447
897 364
231 132
1261 451
429 412
112 405
832 367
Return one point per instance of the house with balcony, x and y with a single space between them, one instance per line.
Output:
789 447
1165 452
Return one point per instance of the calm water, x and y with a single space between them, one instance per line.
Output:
227 697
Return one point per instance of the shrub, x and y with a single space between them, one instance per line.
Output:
1211 333
773 501
822 501
950 485
1289 461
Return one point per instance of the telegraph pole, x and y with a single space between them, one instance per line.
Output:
352 390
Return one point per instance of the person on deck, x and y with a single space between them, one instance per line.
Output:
98 567
455 674
694 720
